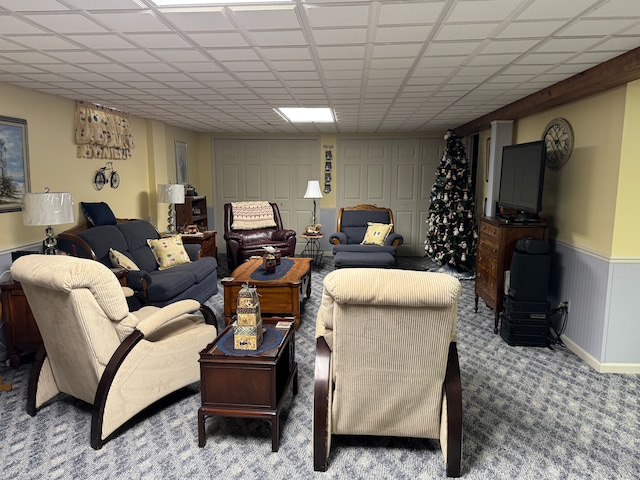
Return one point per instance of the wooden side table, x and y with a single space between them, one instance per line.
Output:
206 240
248 386
20 327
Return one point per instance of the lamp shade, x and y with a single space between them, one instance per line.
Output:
48 208
170 193
313 189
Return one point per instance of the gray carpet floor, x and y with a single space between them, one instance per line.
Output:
529 413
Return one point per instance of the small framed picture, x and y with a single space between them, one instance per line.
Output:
182 172
327 166
327 177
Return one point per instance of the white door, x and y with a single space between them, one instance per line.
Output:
264 169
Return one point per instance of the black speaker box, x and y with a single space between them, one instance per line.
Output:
524 334
518 306
529 277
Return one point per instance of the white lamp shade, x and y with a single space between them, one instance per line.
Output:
171 193
313 189
50 208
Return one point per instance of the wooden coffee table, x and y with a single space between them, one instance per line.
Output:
278 296
241 384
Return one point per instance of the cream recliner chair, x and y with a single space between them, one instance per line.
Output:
386 360
96 350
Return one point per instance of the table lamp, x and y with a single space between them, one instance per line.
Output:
48 208
171 193
313 191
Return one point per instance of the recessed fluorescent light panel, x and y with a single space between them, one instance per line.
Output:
307 115
182 3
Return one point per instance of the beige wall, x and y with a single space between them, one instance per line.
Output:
580 198
626 227
53 163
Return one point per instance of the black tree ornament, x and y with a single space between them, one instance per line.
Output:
451 233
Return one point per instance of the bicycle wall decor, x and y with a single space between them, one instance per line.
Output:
106 175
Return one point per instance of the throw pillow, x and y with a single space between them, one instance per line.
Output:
252 215
376 233
121 260
98 213
169 252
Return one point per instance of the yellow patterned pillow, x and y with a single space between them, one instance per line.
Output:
169 252
121 260
376 233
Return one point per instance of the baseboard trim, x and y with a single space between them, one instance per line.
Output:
628 368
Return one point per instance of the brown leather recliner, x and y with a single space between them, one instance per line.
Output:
243 244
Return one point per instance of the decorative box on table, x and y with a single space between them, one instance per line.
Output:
247 330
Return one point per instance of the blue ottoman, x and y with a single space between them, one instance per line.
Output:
364 260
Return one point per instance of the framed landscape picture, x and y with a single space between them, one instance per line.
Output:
182 173
14 163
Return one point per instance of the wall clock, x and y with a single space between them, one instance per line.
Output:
558 138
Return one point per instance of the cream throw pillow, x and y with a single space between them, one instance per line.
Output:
121 260
376 233
169 252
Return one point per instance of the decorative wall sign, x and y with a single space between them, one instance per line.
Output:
182 172
328 166
14 163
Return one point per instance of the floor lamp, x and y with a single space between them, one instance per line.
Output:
171 193
48 208
313 191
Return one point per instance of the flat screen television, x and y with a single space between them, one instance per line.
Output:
522 178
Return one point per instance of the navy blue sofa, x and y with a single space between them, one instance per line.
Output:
196 280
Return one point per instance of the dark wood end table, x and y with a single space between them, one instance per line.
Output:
250 386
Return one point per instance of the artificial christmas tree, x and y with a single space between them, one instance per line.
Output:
452 234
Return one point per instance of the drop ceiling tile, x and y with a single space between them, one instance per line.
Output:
159 40
451 48
205 19
129 56
280 38
295 53
98 42
245 66
131 22
544 58
102 5
482 10
219 39
508 46
472 31
29 57
394 51
620 44
45 42
596 27
405 12
617 8
330 65
260 18
75 57
294 65
402 34
223 54
340 36
593 58
67 23
501 59
333 16
10 25
530 29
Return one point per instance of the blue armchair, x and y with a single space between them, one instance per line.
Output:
353 226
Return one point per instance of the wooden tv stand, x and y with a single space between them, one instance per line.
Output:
496 244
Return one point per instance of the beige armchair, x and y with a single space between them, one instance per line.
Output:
386 360
96 350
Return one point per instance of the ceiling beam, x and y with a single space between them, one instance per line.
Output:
613 73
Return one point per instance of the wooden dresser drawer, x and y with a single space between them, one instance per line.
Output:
489 229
